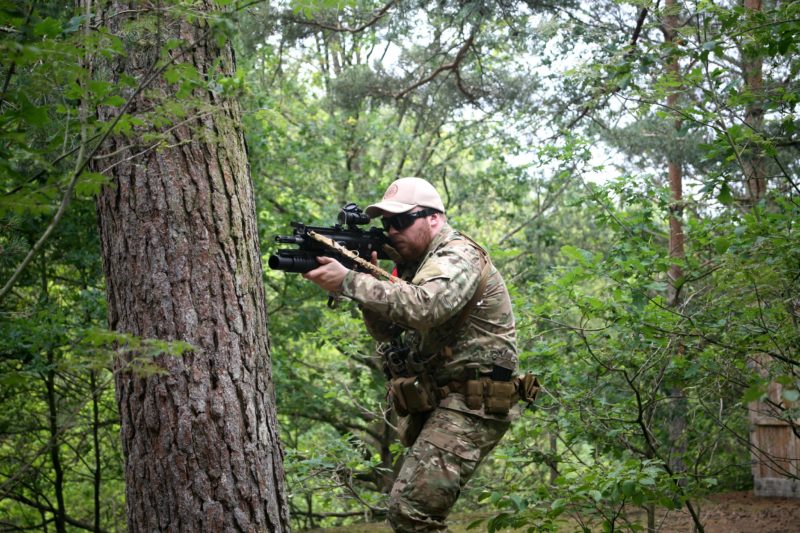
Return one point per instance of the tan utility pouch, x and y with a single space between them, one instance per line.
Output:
527 387
473 393
499 396
412 395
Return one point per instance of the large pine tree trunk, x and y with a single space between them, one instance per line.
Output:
181 256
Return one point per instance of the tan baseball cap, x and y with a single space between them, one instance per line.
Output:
406 194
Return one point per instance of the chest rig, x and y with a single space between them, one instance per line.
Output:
412 386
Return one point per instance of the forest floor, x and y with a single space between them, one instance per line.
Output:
732 512
737 512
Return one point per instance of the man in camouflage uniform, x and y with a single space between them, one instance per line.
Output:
446 271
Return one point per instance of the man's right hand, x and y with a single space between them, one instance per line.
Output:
329 275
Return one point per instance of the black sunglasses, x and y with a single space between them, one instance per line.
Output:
404 220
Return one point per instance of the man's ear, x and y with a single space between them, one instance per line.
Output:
435 220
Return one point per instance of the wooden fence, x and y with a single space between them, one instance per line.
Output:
775 447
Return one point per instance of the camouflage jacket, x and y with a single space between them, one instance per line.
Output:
427 309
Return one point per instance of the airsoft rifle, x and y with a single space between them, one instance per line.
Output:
345 241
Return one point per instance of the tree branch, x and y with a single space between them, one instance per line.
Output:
342 29
462 52
606 90
48 509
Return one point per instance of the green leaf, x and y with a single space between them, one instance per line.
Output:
47 28
658 286
721 245
578 254
99 88
785 43
12 379
75 23
172 74
558 504
519 504
628 488
754 392
475 524
725 196
90 183
114 100
34 115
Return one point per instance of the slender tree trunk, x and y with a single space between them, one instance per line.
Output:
98 471
677 418
753 159
182 262
55 451
552 465
54 440
651 517
674 172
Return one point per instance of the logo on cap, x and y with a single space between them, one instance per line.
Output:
391 191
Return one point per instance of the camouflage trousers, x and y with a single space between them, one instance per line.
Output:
437 466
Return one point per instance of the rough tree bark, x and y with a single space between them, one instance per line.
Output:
182 262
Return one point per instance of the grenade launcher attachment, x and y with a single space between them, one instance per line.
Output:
346 234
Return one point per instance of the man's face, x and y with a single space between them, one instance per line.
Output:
412 242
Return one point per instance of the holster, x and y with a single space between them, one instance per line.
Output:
414 394
409 427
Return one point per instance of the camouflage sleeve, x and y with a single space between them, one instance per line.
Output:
441 287
379 328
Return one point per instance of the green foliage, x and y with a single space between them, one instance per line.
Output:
599 494
587 265
60 456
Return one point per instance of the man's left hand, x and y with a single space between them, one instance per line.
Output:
329 275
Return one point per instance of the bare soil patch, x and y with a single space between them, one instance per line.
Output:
737 512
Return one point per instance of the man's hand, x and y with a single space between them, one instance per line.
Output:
329 275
